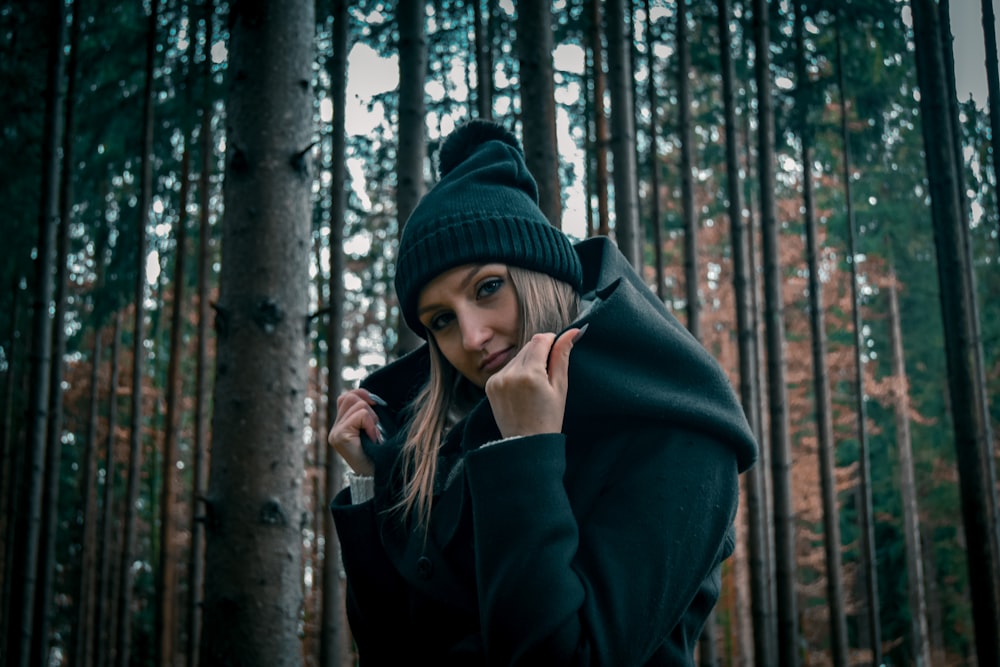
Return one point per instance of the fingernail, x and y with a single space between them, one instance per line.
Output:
579 334
378 399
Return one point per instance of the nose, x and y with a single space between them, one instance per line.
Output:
475 332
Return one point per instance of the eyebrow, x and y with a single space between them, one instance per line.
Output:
462 285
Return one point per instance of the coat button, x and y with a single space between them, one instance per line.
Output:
425 568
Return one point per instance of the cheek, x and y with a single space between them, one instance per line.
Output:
513 316
450 348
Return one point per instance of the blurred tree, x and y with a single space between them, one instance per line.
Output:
821 379
622 142
784 516
538 105
335 640
919 646
135 457
980 529
29 511
412 146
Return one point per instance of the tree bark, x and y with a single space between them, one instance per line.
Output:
83 632
969 434
335 636
538 105
975 329
692 301
138 357
918 635
746 326
655 213
484 64
254 506
196 565
821 380
105 617
412 135
601 138
30 516
620 75
166 580
784 515
935 612
866 514
993 86
53 456
13 462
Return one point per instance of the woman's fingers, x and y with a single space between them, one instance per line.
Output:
528 396
558 369
354 416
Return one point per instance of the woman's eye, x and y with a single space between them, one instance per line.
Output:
439 322
488 287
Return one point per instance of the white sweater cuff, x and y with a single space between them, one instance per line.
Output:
362 487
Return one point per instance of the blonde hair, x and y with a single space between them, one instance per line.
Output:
544 304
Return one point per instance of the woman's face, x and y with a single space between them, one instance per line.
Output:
473 314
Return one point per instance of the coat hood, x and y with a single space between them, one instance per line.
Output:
637 362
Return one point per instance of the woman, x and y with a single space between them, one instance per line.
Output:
552 478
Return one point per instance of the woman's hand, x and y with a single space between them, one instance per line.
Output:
354 415
528 395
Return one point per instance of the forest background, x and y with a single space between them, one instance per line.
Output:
162 156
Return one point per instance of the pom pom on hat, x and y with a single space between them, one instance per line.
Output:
483 209
464 141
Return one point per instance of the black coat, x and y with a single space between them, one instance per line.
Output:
598 545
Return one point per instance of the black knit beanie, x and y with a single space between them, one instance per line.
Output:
483 209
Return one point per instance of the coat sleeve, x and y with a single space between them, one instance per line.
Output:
604 584
376 594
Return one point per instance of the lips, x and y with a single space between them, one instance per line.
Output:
497 360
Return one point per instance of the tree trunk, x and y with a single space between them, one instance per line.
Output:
83 633
746 326
254 507
105 618
866 514
993 85
196 566
784 514
654 156
335 639
976 340
538 104
6 428
693 303
918 636
601 138
821 379
412 139
138 357
166 580
935 613
970 444
13 462
29 517
769 599
53 456
484 64
626 186
84 630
